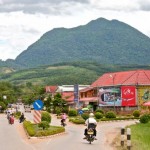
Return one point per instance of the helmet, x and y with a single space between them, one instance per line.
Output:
91 115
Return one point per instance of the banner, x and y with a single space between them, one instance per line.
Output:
76 93
128 95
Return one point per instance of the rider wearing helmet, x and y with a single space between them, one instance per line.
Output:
90 123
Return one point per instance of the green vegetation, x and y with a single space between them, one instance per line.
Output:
41 129
136 113
140 136
64 73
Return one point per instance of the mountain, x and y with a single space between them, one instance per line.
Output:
101 41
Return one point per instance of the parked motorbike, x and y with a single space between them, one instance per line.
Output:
90 135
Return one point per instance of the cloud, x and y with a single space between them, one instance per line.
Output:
25 21
38 6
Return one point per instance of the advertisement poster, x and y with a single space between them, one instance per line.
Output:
128 95
143 94
109 97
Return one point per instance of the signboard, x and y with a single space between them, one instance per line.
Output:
80 112
38 105
109 97
143 94
128 95
76 93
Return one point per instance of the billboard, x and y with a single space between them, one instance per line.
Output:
109 97
128 95
143 94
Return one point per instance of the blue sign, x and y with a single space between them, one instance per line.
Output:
38 105
80 112
76 93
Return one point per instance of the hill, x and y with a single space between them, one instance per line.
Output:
63 73
101 41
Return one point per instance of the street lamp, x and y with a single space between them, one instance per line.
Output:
113 78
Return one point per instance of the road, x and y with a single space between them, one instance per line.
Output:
10 139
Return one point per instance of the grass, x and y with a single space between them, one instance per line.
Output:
140 138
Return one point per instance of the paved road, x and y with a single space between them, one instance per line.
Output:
9 137
71 140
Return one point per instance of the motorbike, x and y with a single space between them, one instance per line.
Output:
63 123
90 135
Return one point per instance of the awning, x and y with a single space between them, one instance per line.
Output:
89 99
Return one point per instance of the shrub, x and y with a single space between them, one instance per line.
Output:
110 114
99 110
136 113
78 120
29 127
58 111
31 130
145 118
45 116
98 115
44 125
85 116
72 112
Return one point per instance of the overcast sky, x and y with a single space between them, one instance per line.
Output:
22 22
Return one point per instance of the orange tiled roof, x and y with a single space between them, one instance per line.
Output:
136 77
51 89
68 96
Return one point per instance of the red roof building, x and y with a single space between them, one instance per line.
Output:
136 77
51 89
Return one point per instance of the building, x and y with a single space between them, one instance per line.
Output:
127 89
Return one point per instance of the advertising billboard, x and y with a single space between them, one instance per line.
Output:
128 95
143 94
109 97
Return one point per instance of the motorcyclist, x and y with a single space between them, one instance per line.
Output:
63 118
90 123
22 118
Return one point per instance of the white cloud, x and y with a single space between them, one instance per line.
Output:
25 21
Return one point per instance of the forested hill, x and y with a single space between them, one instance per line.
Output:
101 40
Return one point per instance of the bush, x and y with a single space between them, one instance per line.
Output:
29 127
85 116
98 115
145 118
72 112
44 125
45 116
78 120
99 110
31 130
136 113
58 111
110 114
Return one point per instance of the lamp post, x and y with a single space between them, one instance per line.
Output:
113 77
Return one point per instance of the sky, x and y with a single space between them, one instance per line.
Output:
23 22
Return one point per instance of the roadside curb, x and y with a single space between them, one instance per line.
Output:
50 136
119 120
42 137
